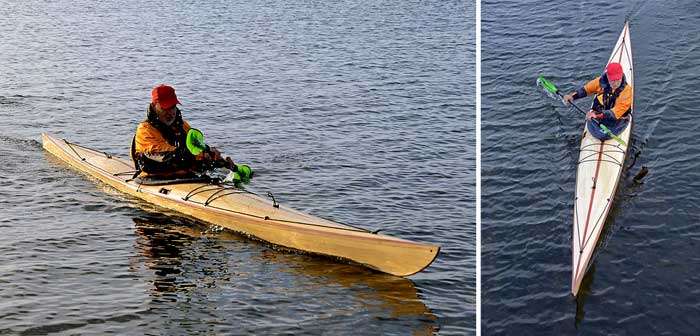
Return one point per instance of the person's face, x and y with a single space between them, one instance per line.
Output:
166 116
615 84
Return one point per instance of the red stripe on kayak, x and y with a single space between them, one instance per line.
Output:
590 206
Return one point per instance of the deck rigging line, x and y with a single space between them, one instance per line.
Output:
221 189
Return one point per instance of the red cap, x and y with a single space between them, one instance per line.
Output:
165 96
614 71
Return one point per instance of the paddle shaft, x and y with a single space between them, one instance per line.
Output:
225 164
583 112
195 144
603 127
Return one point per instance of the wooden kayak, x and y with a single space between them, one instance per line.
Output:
261 218
598 174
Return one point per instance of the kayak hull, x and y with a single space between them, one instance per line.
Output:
252 215
598 174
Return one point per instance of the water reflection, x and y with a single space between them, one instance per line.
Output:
583 293
162 243
187 257
377 291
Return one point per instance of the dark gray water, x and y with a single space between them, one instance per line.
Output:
645 278
361 112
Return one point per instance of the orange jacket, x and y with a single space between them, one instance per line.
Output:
618 101
160 150
150 140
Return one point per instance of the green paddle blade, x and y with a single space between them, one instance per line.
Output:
195 141
245 172
547 85
232 176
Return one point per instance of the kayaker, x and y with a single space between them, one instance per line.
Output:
158 149
612 103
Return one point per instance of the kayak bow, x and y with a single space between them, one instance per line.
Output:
250 214
598 174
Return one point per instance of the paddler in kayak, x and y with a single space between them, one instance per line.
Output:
612 103
159 148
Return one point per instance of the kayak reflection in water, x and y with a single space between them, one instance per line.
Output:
159 148
612 104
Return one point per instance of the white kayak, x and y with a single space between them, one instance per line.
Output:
241 211
598 174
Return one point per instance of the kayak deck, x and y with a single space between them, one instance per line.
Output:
599 167
241 211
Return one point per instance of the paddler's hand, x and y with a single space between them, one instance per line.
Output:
569 98
593 114
211 155
214 154
230 164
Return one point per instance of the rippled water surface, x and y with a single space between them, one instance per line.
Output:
645 278
360 112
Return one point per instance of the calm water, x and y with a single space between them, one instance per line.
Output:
356 111
645 278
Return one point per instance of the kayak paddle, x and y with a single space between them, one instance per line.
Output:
195 144
541 81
